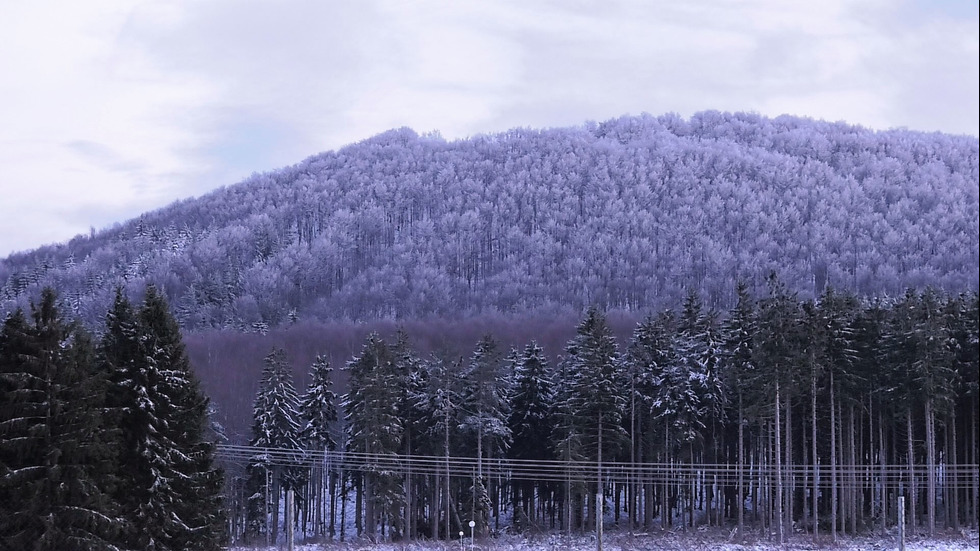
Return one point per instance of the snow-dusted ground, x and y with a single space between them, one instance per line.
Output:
698 541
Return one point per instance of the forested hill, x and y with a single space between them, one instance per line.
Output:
625 214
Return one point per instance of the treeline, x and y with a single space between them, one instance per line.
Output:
104 445
782 415
625 214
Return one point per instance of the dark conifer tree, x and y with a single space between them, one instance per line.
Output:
168 484
485 417
531 401
374 427
55 455
593 397
317 409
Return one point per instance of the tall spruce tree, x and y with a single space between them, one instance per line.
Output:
317 409
485 417
374 428
530 422
275 425
593 399
55 454
168 483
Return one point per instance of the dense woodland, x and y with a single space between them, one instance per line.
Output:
778 416
104 446
626 214
485 304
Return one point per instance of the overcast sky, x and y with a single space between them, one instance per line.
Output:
109 108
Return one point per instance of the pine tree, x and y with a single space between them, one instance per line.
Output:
318 413
55 458
374 428
777 352
169 485
275 425
317 409
440 401
592 399
530 422
740 371
485 417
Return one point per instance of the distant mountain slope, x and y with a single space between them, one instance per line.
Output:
626 214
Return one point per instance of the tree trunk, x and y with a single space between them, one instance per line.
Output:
777 455
789 484
852 472
882 459
833 461
814 500
741 467
931 466
911 459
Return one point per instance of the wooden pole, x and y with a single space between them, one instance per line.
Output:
289 520
901 523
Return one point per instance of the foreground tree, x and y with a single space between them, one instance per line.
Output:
55 458
168 484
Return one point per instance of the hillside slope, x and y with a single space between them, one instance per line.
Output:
626 214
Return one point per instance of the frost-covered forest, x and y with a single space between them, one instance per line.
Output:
782 415
626 214
766 325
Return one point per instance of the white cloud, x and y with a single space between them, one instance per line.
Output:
112 107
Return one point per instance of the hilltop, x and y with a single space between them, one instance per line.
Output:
627 214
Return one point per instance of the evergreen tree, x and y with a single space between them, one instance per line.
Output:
317 409
169 485
593 397
740 370
485 417
275 425
530 423
55 454
374 428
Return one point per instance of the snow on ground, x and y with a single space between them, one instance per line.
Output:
698 541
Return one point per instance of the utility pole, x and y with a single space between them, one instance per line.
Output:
289 520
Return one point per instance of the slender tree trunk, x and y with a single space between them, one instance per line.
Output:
931 466
913 497
954 491
434 510
882 458
445 489
741 468
789 484
777 455
598 491
333 503
631 479
975 498
276 490
343 505
409 520
833 461
852 472
814 503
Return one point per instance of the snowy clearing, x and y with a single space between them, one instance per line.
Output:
966 541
